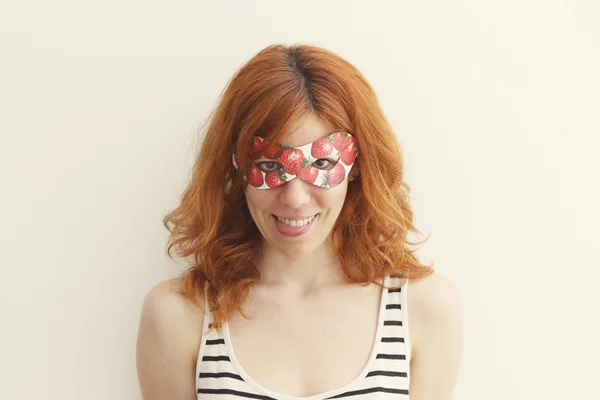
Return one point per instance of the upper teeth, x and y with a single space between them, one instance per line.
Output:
296 222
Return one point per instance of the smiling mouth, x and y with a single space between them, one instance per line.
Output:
296 222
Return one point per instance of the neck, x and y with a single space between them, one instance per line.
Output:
305 271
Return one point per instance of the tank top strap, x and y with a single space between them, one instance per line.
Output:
395 322
219 375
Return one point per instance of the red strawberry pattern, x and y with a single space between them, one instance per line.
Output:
308 174
291 160
256 176
335 175
348 152
322 148
275 178
297 161
337 139
274 152
256 144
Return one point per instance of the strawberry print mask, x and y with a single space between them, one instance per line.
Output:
324 163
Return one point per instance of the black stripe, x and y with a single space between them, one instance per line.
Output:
210 325
215 341
220 375
215 358
391 356
399 290
395 323
370 390
392 340
393 307
388 373
235 393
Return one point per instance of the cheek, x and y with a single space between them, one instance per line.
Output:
251 199
334 198
257 199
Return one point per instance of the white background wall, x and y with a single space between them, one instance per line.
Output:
496 104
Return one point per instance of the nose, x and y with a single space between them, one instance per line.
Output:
295 193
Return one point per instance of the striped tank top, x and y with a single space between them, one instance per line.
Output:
219 375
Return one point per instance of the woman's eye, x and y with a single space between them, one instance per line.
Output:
268 166
323 163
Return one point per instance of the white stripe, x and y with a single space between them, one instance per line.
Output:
364 382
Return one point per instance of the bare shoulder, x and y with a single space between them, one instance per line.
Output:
168 340
170 316
164 303
436 333
433 297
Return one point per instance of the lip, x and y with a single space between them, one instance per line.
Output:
289 231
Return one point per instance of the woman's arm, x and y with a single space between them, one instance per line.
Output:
435 329
167 345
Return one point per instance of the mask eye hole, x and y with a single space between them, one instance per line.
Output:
324 163
268 166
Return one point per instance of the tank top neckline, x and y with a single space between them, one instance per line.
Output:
348 386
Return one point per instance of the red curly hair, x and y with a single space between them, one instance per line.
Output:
212 227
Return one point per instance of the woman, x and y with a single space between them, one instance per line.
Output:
295 224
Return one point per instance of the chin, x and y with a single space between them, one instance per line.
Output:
300 249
